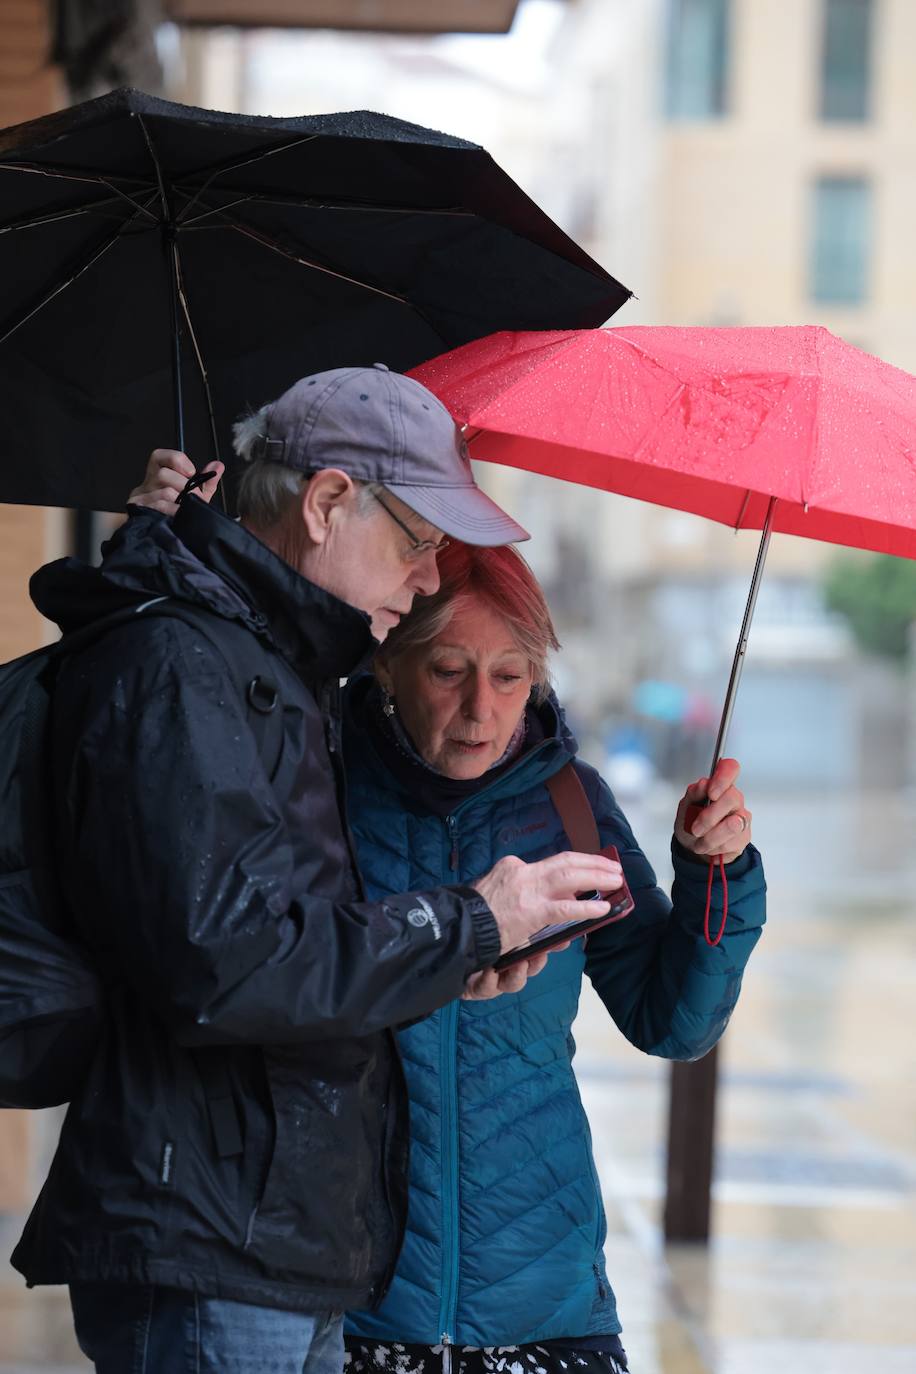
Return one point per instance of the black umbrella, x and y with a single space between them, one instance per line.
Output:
163 268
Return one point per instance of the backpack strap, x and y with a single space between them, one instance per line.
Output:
248 661
37 808
250 665
35 794
574 809
247 658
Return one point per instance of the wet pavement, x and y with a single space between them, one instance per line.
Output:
812 1266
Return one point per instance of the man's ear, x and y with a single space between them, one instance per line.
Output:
327 492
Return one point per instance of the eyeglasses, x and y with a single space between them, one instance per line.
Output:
417 546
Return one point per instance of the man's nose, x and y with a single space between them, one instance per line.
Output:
424 574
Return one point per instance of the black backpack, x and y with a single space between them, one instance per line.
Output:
52 998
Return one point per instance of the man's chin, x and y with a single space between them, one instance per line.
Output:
383 621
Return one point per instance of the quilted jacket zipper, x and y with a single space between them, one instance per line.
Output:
448 1078
450 1219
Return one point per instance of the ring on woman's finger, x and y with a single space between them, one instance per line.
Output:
743 819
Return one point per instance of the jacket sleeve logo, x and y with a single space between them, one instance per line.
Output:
423 915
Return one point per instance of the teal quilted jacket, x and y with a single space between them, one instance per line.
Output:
505 1231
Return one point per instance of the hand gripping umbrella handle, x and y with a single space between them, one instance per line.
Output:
693 811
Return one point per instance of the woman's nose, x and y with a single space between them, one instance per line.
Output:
478 700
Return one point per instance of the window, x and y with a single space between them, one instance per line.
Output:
841 232
846 59
697 59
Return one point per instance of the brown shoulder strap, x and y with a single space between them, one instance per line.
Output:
568 796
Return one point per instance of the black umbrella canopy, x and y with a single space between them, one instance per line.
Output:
164 269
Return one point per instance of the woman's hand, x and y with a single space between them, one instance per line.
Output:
724 826
491 982
167 473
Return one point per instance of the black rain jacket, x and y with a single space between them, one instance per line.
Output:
243 1129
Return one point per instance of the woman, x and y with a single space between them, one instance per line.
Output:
449 750
447 760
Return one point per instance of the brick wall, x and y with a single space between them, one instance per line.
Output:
27 539
29 87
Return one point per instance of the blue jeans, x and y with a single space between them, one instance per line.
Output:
127 1329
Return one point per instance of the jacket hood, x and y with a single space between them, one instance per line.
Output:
555 746
204 558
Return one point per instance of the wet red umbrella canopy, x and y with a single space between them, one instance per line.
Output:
713 421
778 429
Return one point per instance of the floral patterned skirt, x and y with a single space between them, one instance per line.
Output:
397 1357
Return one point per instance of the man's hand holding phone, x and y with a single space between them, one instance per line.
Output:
586 891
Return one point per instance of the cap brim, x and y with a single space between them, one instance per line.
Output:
464 512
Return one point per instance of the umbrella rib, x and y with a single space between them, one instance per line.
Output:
211 210
275 247
73 174
236 163
74 276
317 203
54 217
743 510
131 201
117 193
163 198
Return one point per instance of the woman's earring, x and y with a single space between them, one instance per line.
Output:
388 704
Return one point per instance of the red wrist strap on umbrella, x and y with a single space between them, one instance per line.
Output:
716 859
690 816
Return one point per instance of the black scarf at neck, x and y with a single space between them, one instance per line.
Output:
435 791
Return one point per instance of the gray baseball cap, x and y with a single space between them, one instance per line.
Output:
380 426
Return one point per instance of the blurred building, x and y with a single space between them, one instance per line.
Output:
755 167
785 195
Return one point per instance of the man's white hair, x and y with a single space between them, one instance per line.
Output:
246 430
267 488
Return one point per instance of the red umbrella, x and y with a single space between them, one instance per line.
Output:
773 429
786 429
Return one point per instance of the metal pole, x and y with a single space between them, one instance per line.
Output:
741 650
85 536
691 1149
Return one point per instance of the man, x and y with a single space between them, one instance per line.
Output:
232 1174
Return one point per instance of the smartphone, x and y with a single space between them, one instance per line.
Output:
544 940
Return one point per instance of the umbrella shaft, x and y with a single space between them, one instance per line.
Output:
171 253
741 650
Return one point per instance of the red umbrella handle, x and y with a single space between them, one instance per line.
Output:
716 859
